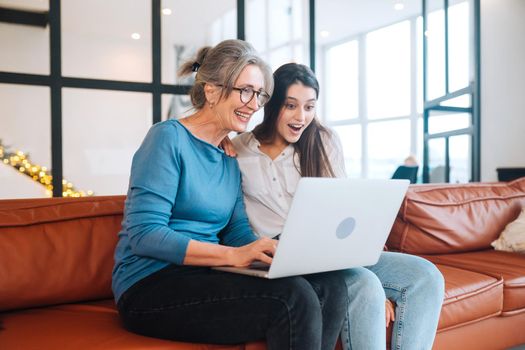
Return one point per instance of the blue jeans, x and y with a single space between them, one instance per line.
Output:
413 283
201 305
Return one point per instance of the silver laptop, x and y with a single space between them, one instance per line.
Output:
333 224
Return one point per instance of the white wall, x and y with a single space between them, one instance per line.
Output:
502 86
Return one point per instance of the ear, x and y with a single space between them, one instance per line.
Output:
212 93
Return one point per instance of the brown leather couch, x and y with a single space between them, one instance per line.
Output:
453 226
56 257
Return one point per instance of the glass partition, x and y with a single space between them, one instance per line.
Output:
25 141
106 39
184 33
278 29
101 132
24 49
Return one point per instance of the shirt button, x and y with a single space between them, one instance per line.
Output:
274 179
282 154
280 195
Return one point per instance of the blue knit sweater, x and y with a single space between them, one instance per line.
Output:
181 188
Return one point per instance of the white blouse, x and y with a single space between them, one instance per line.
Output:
269 185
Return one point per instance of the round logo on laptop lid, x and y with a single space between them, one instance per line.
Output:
345 228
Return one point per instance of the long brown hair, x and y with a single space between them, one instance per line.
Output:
313 160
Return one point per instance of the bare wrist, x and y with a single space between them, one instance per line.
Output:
229 256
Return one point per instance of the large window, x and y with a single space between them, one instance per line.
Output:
278 30
370 83
451 100
94 78
372 72
80 90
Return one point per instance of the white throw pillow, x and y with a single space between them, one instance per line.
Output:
512 239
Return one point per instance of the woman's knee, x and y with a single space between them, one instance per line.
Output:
428 277
299 296
363 282
435 280
332 289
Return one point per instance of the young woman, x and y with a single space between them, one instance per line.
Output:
291 143
184 213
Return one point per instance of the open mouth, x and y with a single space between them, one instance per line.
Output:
243 116
295 127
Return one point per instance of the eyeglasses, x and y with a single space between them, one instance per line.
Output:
247 93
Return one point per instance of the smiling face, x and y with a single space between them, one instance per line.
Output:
234 113
297 113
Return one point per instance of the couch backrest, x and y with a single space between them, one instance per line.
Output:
446 218
57 250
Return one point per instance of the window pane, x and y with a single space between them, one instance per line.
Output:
256 24
441 122
388 145
419 148
435 35
299 18
25 127
184 33
280 56
280 22
419 55
388 71
97 39
175 106
278 29
342 81
350 136
24 49
460 156
101 132
299 53
436 160
459 45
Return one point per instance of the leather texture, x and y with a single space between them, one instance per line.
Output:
505 266
92 325
57 253
469 297
495 333
56 257
445 218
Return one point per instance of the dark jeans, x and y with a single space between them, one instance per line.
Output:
201 305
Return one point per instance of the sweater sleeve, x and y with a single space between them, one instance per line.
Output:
154 182
238 231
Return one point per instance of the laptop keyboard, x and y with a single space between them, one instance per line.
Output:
259 266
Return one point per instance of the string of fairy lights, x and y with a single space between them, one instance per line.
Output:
21 162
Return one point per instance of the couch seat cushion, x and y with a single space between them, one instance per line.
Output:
501 265
92 325
469 297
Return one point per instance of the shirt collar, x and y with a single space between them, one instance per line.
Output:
253 145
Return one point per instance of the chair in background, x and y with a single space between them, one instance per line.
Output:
408 172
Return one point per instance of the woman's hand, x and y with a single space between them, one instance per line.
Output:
262 249
390 313
227 145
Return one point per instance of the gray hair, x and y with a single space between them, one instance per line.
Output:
222 65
